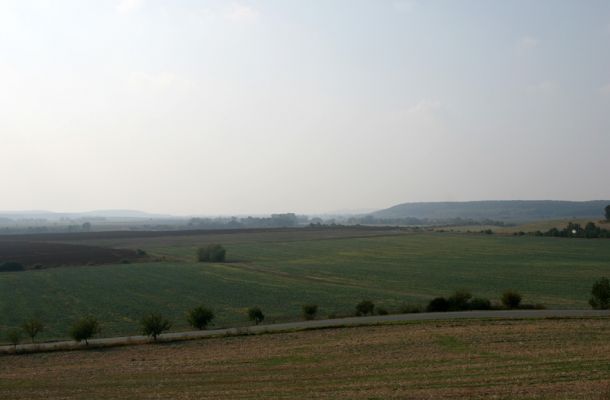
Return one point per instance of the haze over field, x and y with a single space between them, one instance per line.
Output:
240 107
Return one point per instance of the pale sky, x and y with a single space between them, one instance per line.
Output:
212 107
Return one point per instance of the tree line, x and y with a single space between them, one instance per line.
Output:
155 324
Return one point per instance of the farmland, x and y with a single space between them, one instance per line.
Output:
281 270
60 254
542 359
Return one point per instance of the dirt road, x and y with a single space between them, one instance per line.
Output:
322 323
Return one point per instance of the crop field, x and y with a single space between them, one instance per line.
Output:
280 271
534 359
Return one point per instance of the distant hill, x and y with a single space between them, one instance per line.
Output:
508 211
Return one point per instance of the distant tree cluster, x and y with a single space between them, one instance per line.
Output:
211 253
287 220
572 230
462 300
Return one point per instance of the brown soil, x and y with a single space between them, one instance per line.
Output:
57 254
544 359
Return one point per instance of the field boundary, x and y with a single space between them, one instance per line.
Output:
302 326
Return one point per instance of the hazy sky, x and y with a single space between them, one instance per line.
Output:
210 107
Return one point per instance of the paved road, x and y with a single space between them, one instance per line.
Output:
323 323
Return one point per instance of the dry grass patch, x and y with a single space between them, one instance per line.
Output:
545 359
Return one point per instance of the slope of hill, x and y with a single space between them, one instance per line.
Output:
509 211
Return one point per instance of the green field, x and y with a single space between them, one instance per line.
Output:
280 272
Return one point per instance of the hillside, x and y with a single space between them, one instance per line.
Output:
507 211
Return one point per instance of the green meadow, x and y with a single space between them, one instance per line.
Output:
279 274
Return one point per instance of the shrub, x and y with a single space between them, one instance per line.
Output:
85 329
211 253
511 299
310 311
479 303
33 327
141 253
256 314
382 311
600 294
14 336
200 317
438 304
365 307
459 300
154 324
10 266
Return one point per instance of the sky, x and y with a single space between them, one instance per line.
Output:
249 107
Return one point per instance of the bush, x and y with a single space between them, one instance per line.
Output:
85 329
365 307
211 253
256 314
511 299
459 300
11 266
33 327
382 311
200 317
480 303
310 311
600 294
14 336
154 324
438 304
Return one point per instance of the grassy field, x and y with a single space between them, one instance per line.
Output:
280 272
533 359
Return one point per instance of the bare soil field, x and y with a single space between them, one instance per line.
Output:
534 359
59 254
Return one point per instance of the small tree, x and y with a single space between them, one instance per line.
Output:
310 311
438 304
14 337
33 327
459 300
256 314
607 210
600 294
154 324
211 253
365 307
511 299
479 303
85 329
200 317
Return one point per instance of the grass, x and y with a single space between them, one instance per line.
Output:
281 273
537 359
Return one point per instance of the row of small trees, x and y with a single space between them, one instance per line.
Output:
152 325
155 324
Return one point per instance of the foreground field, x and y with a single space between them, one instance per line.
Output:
280 271
541 359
